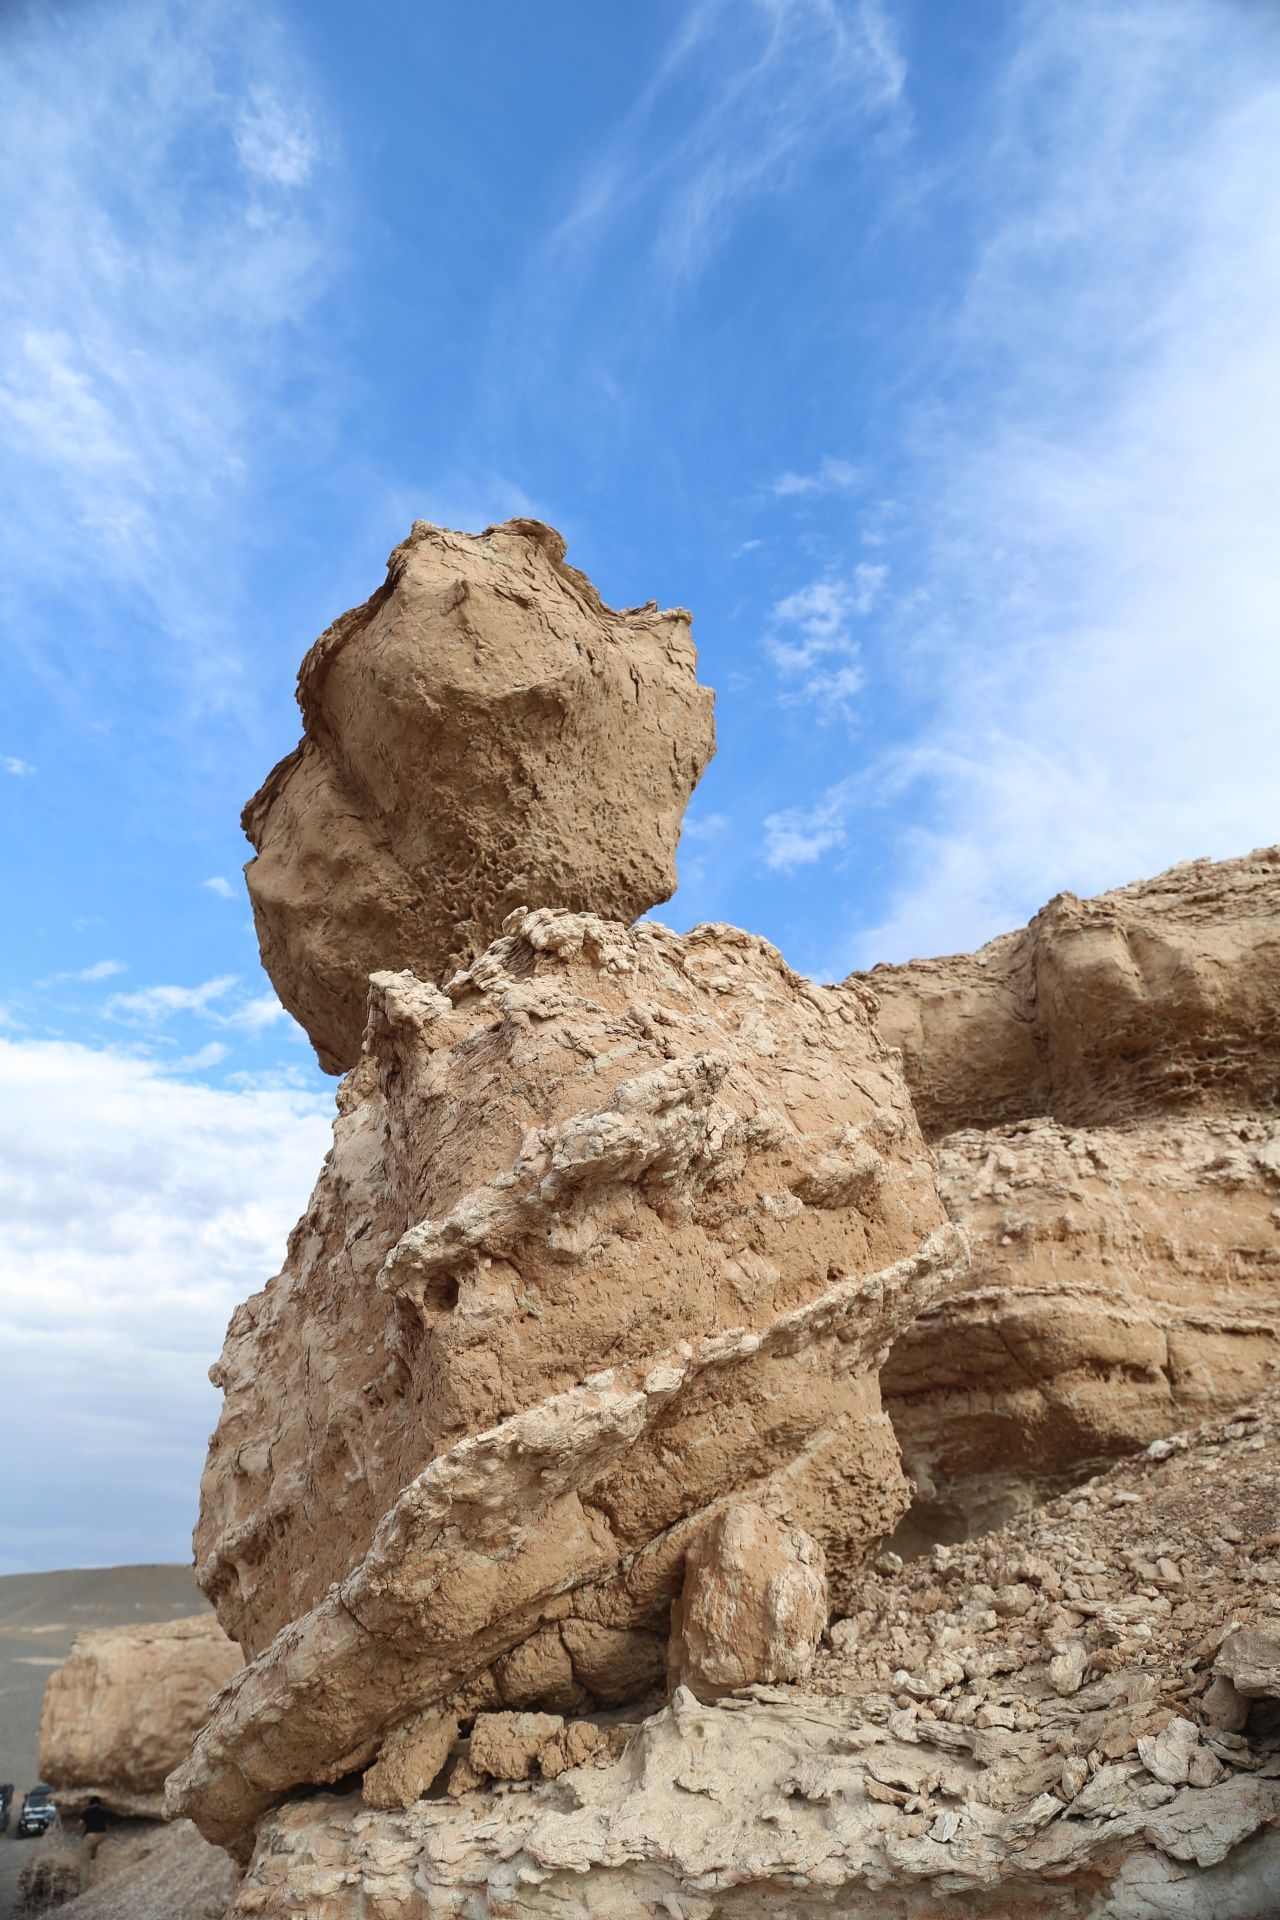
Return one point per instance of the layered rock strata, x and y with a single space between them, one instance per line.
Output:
1101 1090
1028 1722
617 1228
482 734
121 1711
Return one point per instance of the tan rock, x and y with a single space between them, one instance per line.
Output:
411 1759
509 1746
483 734
519 1166
753 1605
1157 998
1250 1659
122 1709
827 1799
1125 1281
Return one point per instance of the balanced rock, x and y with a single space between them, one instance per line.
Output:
618 1226
482 734
753 1605
122 1710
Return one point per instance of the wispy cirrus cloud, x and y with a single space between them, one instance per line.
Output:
20 769
754 88
831 476
1090 642
218 885
163 236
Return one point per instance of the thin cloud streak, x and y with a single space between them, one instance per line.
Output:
1094 622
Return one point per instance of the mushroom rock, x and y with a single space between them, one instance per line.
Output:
482 734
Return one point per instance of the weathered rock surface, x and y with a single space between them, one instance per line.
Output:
483 734
752 1607
142 1872
932 1757
1125 1281
616 1229
1157 998
122 1710
1101 1089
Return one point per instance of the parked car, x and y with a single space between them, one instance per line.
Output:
38 1812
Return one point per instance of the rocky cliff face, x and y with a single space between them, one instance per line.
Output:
121 1712
1102 1093
483 734
1041 1721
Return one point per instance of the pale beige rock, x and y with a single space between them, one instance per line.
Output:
753 1604
411 1759
1250 1659
521 1167
1157 998
831 1799
483 734
1125 1282
122 1709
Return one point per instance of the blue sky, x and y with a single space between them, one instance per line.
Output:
928 352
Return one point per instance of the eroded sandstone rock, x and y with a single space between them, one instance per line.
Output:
752 1605
1156 998
122 1709
929 1760
617 1228
1125 1283
483 734
1101 1090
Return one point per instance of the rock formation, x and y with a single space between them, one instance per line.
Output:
545 1457
483 734
614 1229
1021 1724
121 1711
1101 1089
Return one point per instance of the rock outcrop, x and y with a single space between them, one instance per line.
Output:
483 734
1101 1089
121 1711
1158 998
617 1228
1016 1725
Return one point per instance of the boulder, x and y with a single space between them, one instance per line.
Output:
122 1710
753 1605
1250 1659
482 734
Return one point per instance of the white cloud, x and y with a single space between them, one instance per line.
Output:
18 768
1094 633
150 1006
708 826
216 884
799 836
139 1210
275 140
262 1011
833 476
811 640
100 970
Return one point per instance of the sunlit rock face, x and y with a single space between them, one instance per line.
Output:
482 734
